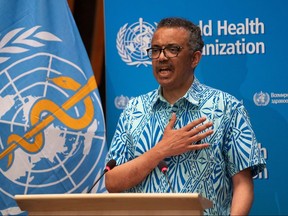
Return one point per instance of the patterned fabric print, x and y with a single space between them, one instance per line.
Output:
233 146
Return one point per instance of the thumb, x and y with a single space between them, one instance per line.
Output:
172 121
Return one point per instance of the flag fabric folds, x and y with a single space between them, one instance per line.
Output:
52 128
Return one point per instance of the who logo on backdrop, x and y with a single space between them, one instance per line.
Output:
133 40
261 98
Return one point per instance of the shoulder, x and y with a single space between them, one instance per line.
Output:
218 99
142 102
217 94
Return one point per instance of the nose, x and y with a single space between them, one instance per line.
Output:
162 55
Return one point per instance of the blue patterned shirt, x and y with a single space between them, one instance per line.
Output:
233 146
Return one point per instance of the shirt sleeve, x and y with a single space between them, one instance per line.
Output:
121 145
241 149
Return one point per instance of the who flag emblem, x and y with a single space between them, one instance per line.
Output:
133 41
52 128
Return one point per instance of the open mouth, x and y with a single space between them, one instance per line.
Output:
165 70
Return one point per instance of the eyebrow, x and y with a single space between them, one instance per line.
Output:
167 45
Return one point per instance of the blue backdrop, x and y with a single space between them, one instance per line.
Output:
245 54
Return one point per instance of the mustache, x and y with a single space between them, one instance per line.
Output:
164 64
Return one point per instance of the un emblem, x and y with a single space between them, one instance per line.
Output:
121 102
132 42
52 126
43 135
261 98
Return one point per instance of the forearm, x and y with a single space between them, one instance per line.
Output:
133 172
174 142
243 194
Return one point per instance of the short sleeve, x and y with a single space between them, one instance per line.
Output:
120 148
241 148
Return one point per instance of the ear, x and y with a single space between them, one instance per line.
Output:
196 59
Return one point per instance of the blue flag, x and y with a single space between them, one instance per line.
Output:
52 128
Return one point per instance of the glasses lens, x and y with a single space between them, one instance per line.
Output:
153 53
169 52
172 51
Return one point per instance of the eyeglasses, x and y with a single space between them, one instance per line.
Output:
170 51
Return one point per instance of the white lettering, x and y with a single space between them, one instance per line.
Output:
264 173
279 95
222 27
248 27
206 29
239 47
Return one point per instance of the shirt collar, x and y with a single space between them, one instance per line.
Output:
192 95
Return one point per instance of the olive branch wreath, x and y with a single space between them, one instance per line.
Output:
126 58
13 43
121 49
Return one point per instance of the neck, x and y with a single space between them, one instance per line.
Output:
172 94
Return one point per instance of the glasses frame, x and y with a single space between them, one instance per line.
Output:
164 52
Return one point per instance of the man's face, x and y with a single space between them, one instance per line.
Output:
175 73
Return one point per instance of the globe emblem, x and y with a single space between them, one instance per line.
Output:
40 152
133 41
261 98
121 101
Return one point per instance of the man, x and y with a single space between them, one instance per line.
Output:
203 134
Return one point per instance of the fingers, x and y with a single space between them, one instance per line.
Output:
196 122
200 128
196 127
194 131
198 147
196 141
198 132
177 141
172 121
200 136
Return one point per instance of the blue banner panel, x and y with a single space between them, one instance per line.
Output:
245 54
